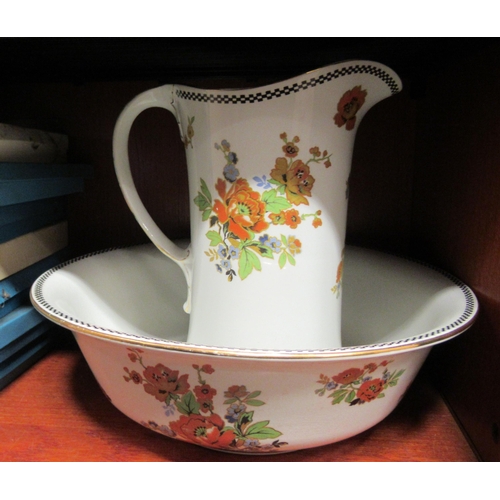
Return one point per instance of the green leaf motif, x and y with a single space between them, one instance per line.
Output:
214 237
350 397
338 396
254 402
274 203
248 261
254 394
261 431
201 202
206 191
188 404
282 260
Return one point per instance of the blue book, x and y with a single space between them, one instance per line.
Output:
24 182
17 323
27 357
21 191
16 171
50 208
18 228
20 299
30 337
14 290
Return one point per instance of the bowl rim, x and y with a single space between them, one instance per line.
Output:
426 339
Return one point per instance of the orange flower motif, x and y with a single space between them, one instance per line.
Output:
163 381
296 178
290 149
370 390
348 376
340 270
294 245
278 219
317 222
348 106
236 391
292 218
242 207
202 430
204 392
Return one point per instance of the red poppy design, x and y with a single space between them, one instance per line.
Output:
202 430
348 376
163 381
370 389
204 392
242 207
348 106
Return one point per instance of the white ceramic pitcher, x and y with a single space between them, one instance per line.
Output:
268 171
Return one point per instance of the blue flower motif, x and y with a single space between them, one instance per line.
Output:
219 268
331 385
262 182
226 265
225 145
234 252
271 242
252 443
232 158
222 251
230 172
233 412
169 410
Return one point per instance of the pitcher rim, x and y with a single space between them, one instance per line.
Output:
293 84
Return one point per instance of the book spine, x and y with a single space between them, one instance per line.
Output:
17 323
21 144
21 211
21 281
21 191
30 337
23 251
17 171
13 367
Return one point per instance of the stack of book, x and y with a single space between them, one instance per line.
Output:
33 238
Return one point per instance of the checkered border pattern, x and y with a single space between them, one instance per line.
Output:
292 89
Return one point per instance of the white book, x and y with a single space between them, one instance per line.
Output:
19 144
21 252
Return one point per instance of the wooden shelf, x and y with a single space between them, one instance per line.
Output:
57 412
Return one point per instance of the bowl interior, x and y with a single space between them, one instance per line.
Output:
138 291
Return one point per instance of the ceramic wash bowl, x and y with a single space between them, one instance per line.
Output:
124 307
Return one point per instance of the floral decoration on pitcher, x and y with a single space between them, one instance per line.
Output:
357 386
188 136
192 413
340 273
243 219
349 104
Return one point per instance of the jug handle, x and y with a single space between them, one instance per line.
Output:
161 97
